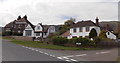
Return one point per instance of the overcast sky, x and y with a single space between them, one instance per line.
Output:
57 11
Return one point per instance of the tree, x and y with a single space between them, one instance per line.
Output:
70 22
67 25
103 34
92 33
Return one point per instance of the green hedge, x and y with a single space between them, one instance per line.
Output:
59 40
83 41
62 41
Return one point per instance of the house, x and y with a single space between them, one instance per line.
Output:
110 35
109 32
83 28
17 26
39 31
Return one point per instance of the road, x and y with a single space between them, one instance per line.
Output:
14 52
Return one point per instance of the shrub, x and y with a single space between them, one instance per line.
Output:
92 33
59 40
83 41
103 34
8 33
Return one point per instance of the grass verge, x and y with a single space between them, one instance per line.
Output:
118 59
37 44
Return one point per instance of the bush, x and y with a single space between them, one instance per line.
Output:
103 34
83 41
92 33
59 40
9 33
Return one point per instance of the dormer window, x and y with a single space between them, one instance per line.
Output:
38 27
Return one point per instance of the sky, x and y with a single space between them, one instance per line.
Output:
54 12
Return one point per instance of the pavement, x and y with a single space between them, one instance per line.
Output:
14 52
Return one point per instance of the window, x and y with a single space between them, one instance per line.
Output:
37 34
38 27
28 32
74 36
87 29
45 33
108 33
74 29
80 29
80 36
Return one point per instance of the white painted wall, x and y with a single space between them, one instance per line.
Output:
51 29
83 33
110 35
38 25
29 28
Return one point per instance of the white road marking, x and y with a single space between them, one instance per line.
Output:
46 53
26 47
73 60
67 60
23 46
59 57
97 53
41 52
33 49
105 52
53 56
70 56
29 48
36 50
81 55
65 57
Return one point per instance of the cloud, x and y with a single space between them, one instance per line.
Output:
56 12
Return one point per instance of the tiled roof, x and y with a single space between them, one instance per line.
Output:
45 28
84 23
66 34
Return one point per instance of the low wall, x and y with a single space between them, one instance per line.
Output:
21 38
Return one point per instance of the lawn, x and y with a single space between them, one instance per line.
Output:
37 44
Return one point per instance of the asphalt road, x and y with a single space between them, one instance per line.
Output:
14 52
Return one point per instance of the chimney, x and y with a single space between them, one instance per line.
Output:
19 17
97 21
25 17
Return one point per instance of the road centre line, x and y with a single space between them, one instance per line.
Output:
81 55
62 58
103 52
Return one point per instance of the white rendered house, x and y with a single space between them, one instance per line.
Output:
38 31
29 31
83 28
110 35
